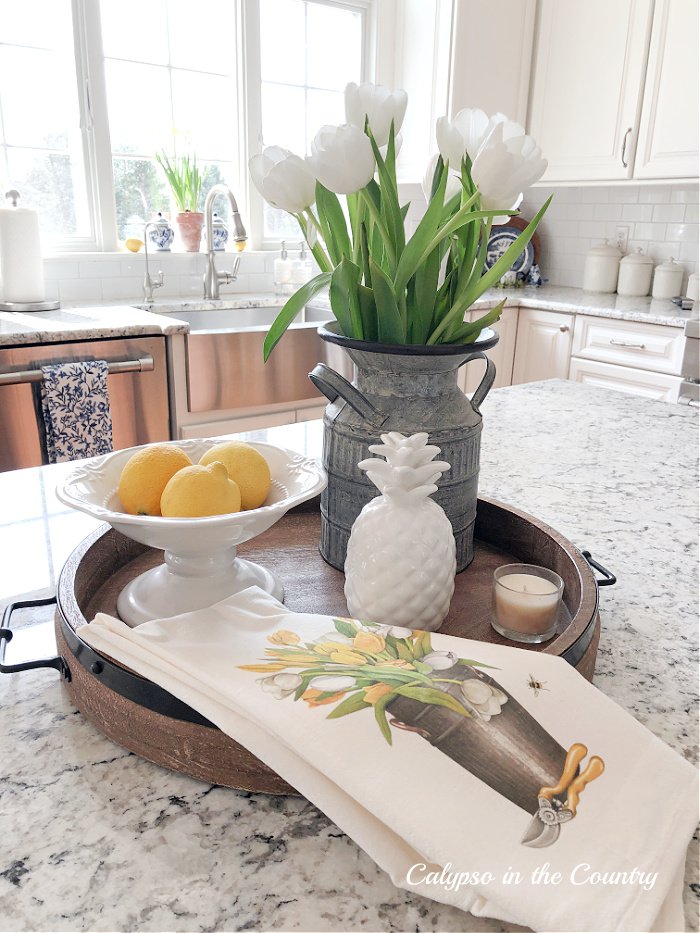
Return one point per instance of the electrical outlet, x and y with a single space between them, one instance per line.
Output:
622 235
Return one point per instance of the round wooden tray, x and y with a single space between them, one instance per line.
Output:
152 723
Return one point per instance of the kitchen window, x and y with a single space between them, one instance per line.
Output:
308 53
116 81
41 147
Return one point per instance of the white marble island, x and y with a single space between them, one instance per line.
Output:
94 838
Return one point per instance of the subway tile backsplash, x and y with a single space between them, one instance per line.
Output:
118 277
662 219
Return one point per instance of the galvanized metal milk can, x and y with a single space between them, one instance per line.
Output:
406 389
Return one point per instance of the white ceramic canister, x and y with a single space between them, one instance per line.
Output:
668 279
635 274
693 288
602 268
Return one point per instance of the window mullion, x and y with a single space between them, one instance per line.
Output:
250 108
93 102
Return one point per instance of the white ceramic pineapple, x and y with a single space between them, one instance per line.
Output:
400 565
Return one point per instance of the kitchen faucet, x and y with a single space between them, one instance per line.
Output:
212 278
150 284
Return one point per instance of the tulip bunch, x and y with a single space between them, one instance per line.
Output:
366 666
384 287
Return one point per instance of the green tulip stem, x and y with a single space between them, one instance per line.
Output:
317 250
377 218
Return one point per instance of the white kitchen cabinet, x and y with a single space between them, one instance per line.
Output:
543 345
657 386
502 354
251 422
477 79
629 343
614 89
588 73
668 131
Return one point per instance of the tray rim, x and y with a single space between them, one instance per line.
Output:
570 644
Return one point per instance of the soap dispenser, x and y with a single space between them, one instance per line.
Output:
302 270
282 273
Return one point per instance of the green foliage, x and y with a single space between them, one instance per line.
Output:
384 288
184 178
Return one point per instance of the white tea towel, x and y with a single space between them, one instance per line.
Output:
438 756
75 409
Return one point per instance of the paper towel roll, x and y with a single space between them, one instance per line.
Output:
21 267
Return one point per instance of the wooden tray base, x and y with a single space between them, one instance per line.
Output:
97 571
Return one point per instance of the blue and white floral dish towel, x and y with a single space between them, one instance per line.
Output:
487 777
75 409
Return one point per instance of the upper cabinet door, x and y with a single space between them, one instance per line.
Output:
587 80
481 78
668 134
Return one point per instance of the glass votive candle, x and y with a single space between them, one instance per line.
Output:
526 602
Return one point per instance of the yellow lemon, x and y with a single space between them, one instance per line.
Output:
246 467
200 490
146 475
133 244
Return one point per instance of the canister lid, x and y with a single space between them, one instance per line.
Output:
605 248
670 265
637 258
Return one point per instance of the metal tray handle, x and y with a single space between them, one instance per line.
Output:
608 578
6 634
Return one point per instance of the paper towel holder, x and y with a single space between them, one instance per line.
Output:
48 305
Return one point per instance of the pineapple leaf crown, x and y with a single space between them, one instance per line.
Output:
408 470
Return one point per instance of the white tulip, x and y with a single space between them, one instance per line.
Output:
378 105
342 158
439 660
504 167
468 132
335 637
283 179
454 185
280 685
328 683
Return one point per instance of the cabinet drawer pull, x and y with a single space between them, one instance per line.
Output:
21 377
624 147
628 346
563 328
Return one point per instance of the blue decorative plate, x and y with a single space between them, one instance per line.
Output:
501 238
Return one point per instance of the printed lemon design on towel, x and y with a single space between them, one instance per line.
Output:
198 490
246 467
146 475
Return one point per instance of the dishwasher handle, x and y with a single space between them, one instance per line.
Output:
23 376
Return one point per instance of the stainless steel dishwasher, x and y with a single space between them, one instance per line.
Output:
137 384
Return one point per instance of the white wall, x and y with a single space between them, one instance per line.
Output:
662 219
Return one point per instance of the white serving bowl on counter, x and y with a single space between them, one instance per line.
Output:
201 565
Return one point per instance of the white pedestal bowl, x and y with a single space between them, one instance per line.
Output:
201 566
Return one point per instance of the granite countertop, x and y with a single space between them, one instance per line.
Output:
575 301
95 838
83 323
89 322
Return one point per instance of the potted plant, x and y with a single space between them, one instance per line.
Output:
399 301
185 182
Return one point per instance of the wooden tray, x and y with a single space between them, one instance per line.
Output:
152 723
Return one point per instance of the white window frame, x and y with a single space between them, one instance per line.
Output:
251 81
378 20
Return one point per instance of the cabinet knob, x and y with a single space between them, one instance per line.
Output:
563 328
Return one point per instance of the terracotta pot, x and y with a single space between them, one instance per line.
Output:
189 224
